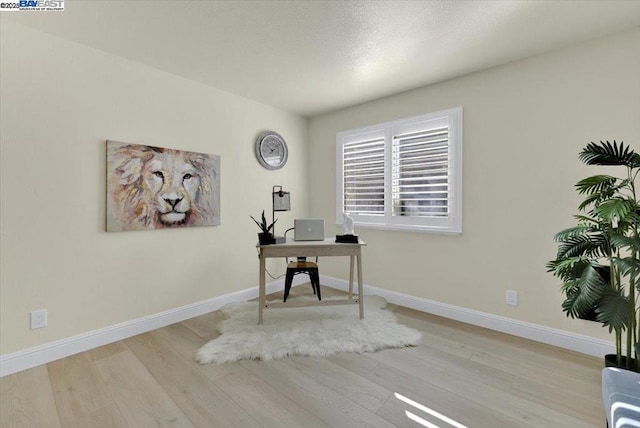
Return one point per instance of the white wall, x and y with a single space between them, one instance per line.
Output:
524 124
60 102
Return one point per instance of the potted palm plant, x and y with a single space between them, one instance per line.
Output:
265 237
597 259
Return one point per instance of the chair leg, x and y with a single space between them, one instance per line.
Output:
313 285
287 284
315 278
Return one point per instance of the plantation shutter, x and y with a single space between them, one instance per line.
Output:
420 173
363 172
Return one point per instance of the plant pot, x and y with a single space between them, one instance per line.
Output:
611 360
266 238
589 316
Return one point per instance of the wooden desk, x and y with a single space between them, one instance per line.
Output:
328 247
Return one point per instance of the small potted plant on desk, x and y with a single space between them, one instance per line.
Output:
265 237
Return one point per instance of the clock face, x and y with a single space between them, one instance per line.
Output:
271 150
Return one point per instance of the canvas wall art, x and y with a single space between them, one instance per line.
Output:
156 188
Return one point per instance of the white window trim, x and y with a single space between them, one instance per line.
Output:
453 223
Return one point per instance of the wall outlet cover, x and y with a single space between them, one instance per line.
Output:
38 319
512 298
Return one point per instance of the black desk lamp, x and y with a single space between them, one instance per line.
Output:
281 201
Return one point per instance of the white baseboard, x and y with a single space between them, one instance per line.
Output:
560 338
32 357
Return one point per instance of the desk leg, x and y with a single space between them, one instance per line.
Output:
262 292
351 277
360 288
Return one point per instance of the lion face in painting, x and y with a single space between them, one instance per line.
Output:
156 188
173 184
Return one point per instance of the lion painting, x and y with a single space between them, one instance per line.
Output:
155 188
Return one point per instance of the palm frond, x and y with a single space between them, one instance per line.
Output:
582 240
592 284
580 229
615 209
628 267
595 184
634 216
630 242
569 287
613 310
575 305
586 220
580 245
590 200
569 268
607 153
602 245
584 293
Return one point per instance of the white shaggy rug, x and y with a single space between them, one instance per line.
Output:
317 331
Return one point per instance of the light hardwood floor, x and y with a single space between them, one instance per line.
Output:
476 377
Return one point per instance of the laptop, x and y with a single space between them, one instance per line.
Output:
308 229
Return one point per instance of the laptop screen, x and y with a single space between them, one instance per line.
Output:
308 229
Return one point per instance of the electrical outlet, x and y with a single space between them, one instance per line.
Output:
512 298
38 319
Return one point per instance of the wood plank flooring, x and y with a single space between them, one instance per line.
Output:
460 375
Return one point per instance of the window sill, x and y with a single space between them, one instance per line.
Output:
406 228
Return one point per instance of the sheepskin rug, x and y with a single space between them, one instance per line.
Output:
317 331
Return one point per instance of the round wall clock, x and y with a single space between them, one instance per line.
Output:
271 150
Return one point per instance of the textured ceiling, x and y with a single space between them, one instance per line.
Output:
310 57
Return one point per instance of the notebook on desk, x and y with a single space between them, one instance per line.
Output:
308 229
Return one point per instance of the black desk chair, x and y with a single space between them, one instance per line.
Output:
302 266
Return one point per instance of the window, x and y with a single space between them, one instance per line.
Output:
405 174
